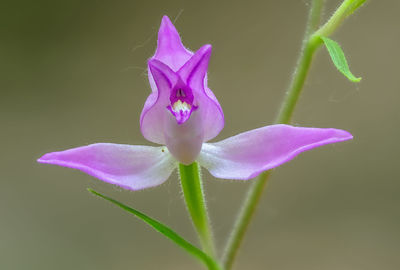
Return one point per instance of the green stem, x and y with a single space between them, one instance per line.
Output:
311 43
256 189
343 11
194 196
252 199
299 77
303 64
314 18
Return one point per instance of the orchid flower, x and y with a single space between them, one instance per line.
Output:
182 114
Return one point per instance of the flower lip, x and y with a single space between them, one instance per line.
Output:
181 99
182 111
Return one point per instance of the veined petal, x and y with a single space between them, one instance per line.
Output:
130 167
194 74
170 49
154 111
246 155
194 71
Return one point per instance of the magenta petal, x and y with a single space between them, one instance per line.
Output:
194 71
247 154
154 110
170 49
194 74
130 167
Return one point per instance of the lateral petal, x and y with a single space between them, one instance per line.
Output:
194 74
155 108
131 167
194 71
247 154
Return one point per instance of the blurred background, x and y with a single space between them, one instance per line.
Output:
74 73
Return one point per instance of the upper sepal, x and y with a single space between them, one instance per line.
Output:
170 49
194 74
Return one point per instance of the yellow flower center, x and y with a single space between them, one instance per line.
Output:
181 106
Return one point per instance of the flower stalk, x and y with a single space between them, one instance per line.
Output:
311 43
193 193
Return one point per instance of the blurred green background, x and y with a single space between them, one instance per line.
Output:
74 72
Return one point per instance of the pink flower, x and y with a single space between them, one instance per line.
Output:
183 114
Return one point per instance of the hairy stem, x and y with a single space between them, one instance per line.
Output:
342 12
252 199
311 43
192 188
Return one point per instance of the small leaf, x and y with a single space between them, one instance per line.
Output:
339 59
166 231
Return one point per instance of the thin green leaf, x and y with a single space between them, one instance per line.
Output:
166 231
339 59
